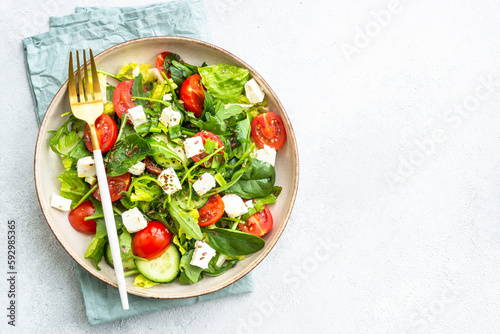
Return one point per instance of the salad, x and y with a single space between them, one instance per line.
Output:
189 155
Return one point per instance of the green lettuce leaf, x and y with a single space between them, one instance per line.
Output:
224 82
143 282
72 187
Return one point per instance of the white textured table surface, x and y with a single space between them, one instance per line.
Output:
396 225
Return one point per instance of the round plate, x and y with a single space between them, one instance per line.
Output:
48 165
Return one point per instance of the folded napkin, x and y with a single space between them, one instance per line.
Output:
46 57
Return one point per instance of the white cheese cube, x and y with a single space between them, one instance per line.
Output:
158 75
249 204
86 167
134 220
253 91
220 261
138 168
90 179
60 203
202 255
170 117
136 71
169 181
234 205
193 146
204 184
267 154
167 97
137 116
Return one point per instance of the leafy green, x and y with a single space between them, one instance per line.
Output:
68 141
138 90
242 131
180 72
126 72
72 187
224 82
143 282
187 220
233 243
189 274
224 112
160 149
260 202
95 250
146 191
213 270
257 181
127 153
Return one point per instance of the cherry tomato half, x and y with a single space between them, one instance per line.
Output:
192 95
152 167
209 135
122 97
212 211
116 185
77 215
268 129
259 223
107 131
151 241
160 61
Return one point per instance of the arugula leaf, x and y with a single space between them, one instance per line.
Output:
260 202
127 153
138 90
224 82
72 187
164 151
189 274
233 243
257 181
186 220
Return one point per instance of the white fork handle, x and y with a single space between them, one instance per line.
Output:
109 218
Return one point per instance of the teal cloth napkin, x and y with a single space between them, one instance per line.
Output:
46 57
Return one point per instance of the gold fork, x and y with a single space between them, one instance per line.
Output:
87 105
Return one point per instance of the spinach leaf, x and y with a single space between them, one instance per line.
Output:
257 181
233 243
224 82
189 274
68 142
179 72
127 153
186 220
242 131
213 270
138 90
72 187
110 91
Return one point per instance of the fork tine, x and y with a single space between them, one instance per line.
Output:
95 78
88 94
71 81
80 84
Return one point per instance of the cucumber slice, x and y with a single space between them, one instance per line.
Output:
127 264
169 162
164 269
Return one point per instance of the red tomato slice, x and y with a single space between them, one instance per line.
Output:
259 223
160 61
192 95
107 131
268 129
212 211
116 185
151 241
122 97
152 167
209 135
77 215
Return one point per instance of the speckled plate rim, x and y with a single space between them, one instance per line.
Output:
290 138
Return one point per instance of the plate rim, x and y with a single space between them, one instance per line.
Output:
290 137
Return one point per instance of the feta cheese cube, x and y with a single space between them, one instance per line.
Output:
90 179
167 97
220 261
137 116
267 154
138 168
60 203
169 181
204 184
193 146
253 91
136 72
249 204
134 220
234 205
158 75
202 255
170 117
86 167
